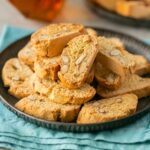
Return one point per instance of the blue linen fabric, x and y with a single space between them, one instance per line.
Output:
18 134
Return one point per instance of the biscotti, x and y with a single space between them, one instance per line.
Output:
41 86
41 107
47 67
106 77
15 72
134 9
78 96
27 55
133 84
114 58
108 109
142 65
91 74
50 41
22 89
76 61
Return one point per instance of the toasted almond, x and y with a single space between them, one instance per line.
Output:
65 59
64 69
115 53
80 59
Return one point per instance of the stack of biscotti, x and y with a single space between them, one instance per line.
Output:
53 72
63 67
138 9
118 74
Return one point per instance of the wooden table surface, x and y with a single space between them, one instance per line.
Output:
73 11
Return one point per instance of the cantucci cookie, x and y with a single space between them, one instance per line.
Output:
15 72
22 89
27 55
114 58
78 96
133 84
142 65
108 109
106 77
76 61
50 41
41 86
47 67
135 9
41 107
117 42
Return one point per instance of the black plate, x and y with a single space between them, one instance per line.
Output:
132 44
116 17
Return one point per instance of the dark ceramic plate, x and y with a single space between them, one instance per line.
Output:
116 17
132 44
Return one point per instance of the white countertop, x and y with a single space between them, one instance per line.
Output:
73 11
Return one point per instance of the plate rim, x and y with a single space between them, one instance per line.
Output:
24 115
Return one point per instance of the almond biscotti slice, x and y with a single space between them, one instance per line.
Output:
41 86
78 96
108 109
142 65
15 71
50 41
27 55
135 9
41 107
22 89
47 67
106 77
133 84
114 57
76 61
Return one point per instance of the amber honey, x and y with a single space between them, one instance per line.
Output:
39 9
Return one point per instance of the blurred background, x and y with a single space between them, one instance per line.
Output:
72 11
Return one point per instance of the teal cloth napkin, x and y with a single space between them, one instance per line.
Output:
17 134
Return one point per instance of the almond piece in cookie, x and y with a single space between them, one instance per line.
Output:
76 61
50 41
47 67
40 107
15 71
132 84
105 110
27 55
106 77
114 57
78 96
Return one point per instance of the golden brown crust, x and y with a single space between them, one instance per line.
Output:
108 109
47 68
76 61
41 107
27 55
114 57
133 84
15 72
78 96
50 41
106 77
